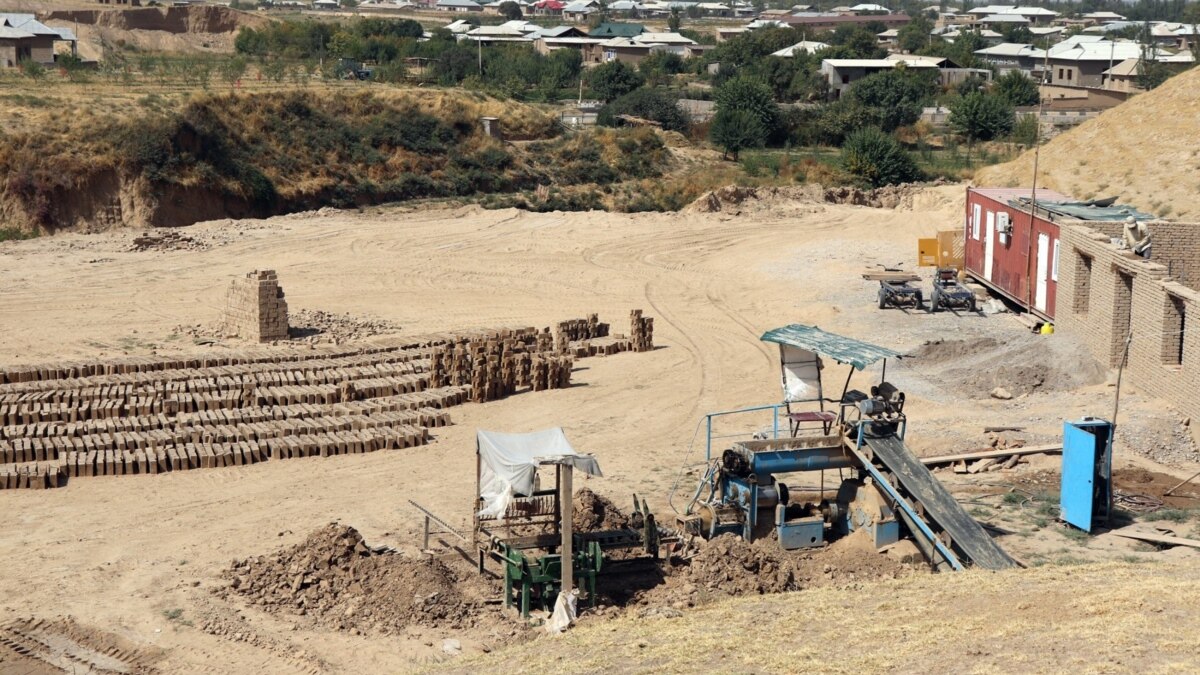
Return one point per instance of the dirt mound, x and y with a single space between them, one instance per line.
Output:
942 350
734 566
715 201
338 581
1134 150
735 198
889 197
1021 366
593 512
197 19
730 566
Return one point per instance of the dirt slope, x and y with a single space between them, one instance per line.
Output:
199 19
1146 151
1042 620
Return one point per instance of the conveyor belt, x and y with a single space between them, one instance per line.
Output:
940 507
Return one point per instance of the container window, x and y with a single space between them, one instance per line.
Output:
1054 263
977 216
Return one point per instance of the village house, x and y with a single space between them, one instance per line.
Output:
24 38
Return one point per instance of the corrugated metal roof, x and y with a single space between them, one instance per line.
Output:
1095 210
1007 194
837 347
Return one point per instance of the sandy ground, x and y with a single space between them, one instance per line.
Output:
120 554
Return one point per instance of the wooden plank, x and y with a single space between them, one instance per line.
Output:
891 276
1158 538
991 454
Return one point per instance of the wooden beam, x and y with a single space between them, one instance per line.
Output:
1158 538
991 454
890 276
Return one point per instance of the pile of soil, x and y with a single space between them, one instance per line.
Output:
338 581
1020 366
592 512
734 566
730 566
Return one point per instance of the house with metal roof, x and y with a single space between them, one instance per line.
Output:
1008 56
1081 62
459 6
616 29
24 38
802 47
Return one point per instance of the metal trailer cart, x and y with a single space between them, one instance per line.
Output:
896 289
948 293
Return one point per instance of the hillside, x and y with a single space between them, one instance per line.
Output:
1116 617
262 154
1145 151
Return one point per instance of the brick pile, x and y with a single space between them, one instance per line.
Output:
641 331
255 309
152 415
499 364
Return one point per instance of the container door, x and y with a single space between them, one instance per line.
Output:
989 245
1078 495
1043 269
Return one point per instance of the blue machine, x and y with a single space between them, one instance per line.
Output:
885 490
1085 499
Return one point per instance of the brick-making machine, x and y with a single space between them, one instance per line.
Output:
528 529
883 488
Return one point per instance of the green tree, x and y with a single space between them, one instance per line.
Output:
651 104
754 97
734 130
1016 88
233 69
878 158
981 117
675 20
511 11
897 95
915 34
613 80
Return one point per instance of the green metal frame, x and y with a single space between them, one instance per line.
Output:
524 574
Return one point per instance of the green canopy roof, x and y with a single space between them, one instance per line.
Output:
1096 209
837 347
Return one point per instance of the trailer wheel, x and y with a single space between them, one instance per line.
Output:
882 299
971 304
920 300
933 302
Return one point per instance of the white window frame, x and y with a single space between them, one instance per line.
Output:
1054 261
976 216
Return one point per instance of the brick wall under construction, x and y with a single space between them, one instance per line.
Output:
1105 293
255 308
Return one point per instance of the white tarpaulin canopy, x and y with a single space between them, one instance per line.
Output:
509 464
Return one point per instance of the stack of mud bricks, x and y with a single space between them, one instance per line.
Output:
576 330
641 331
496 365
255 309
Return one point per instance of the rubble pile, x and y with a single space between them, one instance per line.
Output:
338 581
166 240
338 327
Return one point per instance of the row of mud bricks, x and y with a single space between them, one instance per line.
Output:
149 415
